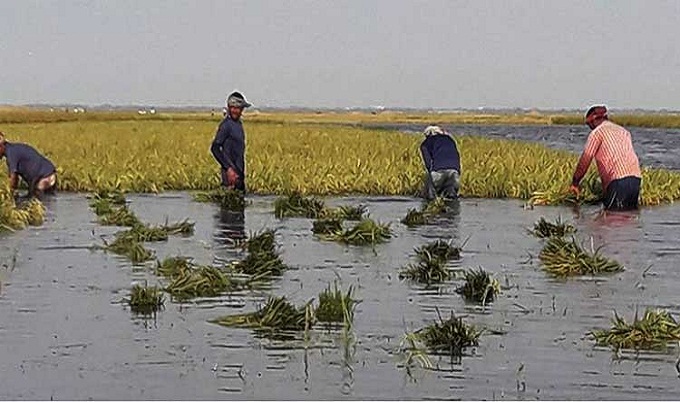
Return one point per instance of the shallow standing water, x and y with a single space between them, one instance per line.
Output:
65 335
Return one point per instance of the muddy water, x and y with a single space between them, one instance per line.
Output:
656 147
65 334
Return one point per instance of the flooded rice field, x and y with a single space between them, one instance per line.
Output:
656 147
65 334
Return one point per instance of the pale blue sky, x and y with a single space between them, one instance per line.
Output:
422 54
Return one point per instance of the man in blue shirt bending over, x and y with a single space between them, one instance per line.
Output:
24 161
229 145
442 162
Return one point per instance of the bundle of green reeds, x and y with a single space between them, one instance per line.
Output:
449 336
228 199
544 229
562 258
119 216
346 212
297 205
173 266
479 287
367 231
145 299
260 265
428 270
277 314
264 241
426 214
653 331
125 244
327 226
336 306
439 249
200 281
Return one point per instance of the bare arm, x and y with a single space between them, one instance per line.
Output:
13 181
592 145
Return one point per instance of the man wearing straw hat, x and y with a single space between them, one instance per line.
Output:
442 163
229 145
25 162
612 148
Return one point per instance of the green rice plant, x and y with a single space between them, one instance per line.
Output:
260 265
183 228
143 233
297 205
120 216
336 306
261 242
415 217
544 229
145 299
563 258
346 212
171 267
435 207
200 281
428 270
278 314
479 287
365 232
450 336
654 330
439 249
15 216
228 199
327 226
126 245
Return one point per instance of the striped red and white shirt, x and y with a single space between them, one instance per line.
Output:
612 148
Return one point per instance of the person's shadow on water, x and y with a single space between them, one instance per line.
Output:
230 228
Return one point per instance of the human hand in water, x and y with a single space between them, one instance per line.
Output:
575 190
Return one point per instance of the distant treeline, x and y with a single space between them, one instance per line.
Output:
627 120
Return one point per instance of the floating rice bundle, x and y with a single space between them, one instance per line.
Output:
427 213
200 281
145 299
183 228
173 266
143 233
126 245
439 249
450 336
365 232
277 314
653 331
261 242
260 265
296 205
346 212
428 270
327 226
228 199
479 287
563 258
336 306
120 216
104 202
544 229
415 217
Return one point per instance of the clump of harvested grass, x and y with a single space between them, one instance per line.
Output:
260 265
336 306
261 242
295 205
13 216
479 287
365 232
653 331
125 244
120 216
104 201
183 228
449 336
173 266
591 193
563 258
228 199
346 212
278 314
427 213
145 299
544 229
429 269
439 249
199 281
327 226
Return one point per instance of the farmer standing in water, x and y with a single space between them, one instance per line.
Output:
229 146
442 163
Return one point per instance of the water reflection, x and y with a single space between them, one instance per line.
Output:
230 232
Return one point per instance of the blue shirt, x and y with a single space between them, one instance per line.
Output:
25 161
440 153
229 145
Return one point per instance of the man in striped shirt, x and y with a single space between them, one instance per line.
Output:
611 147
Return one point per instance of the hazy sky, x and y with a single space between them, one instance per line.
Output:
439 54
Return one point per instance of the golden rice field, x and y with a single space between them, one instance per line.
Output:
154 155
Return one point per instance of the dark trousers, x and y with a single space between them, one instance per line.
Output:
622 194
